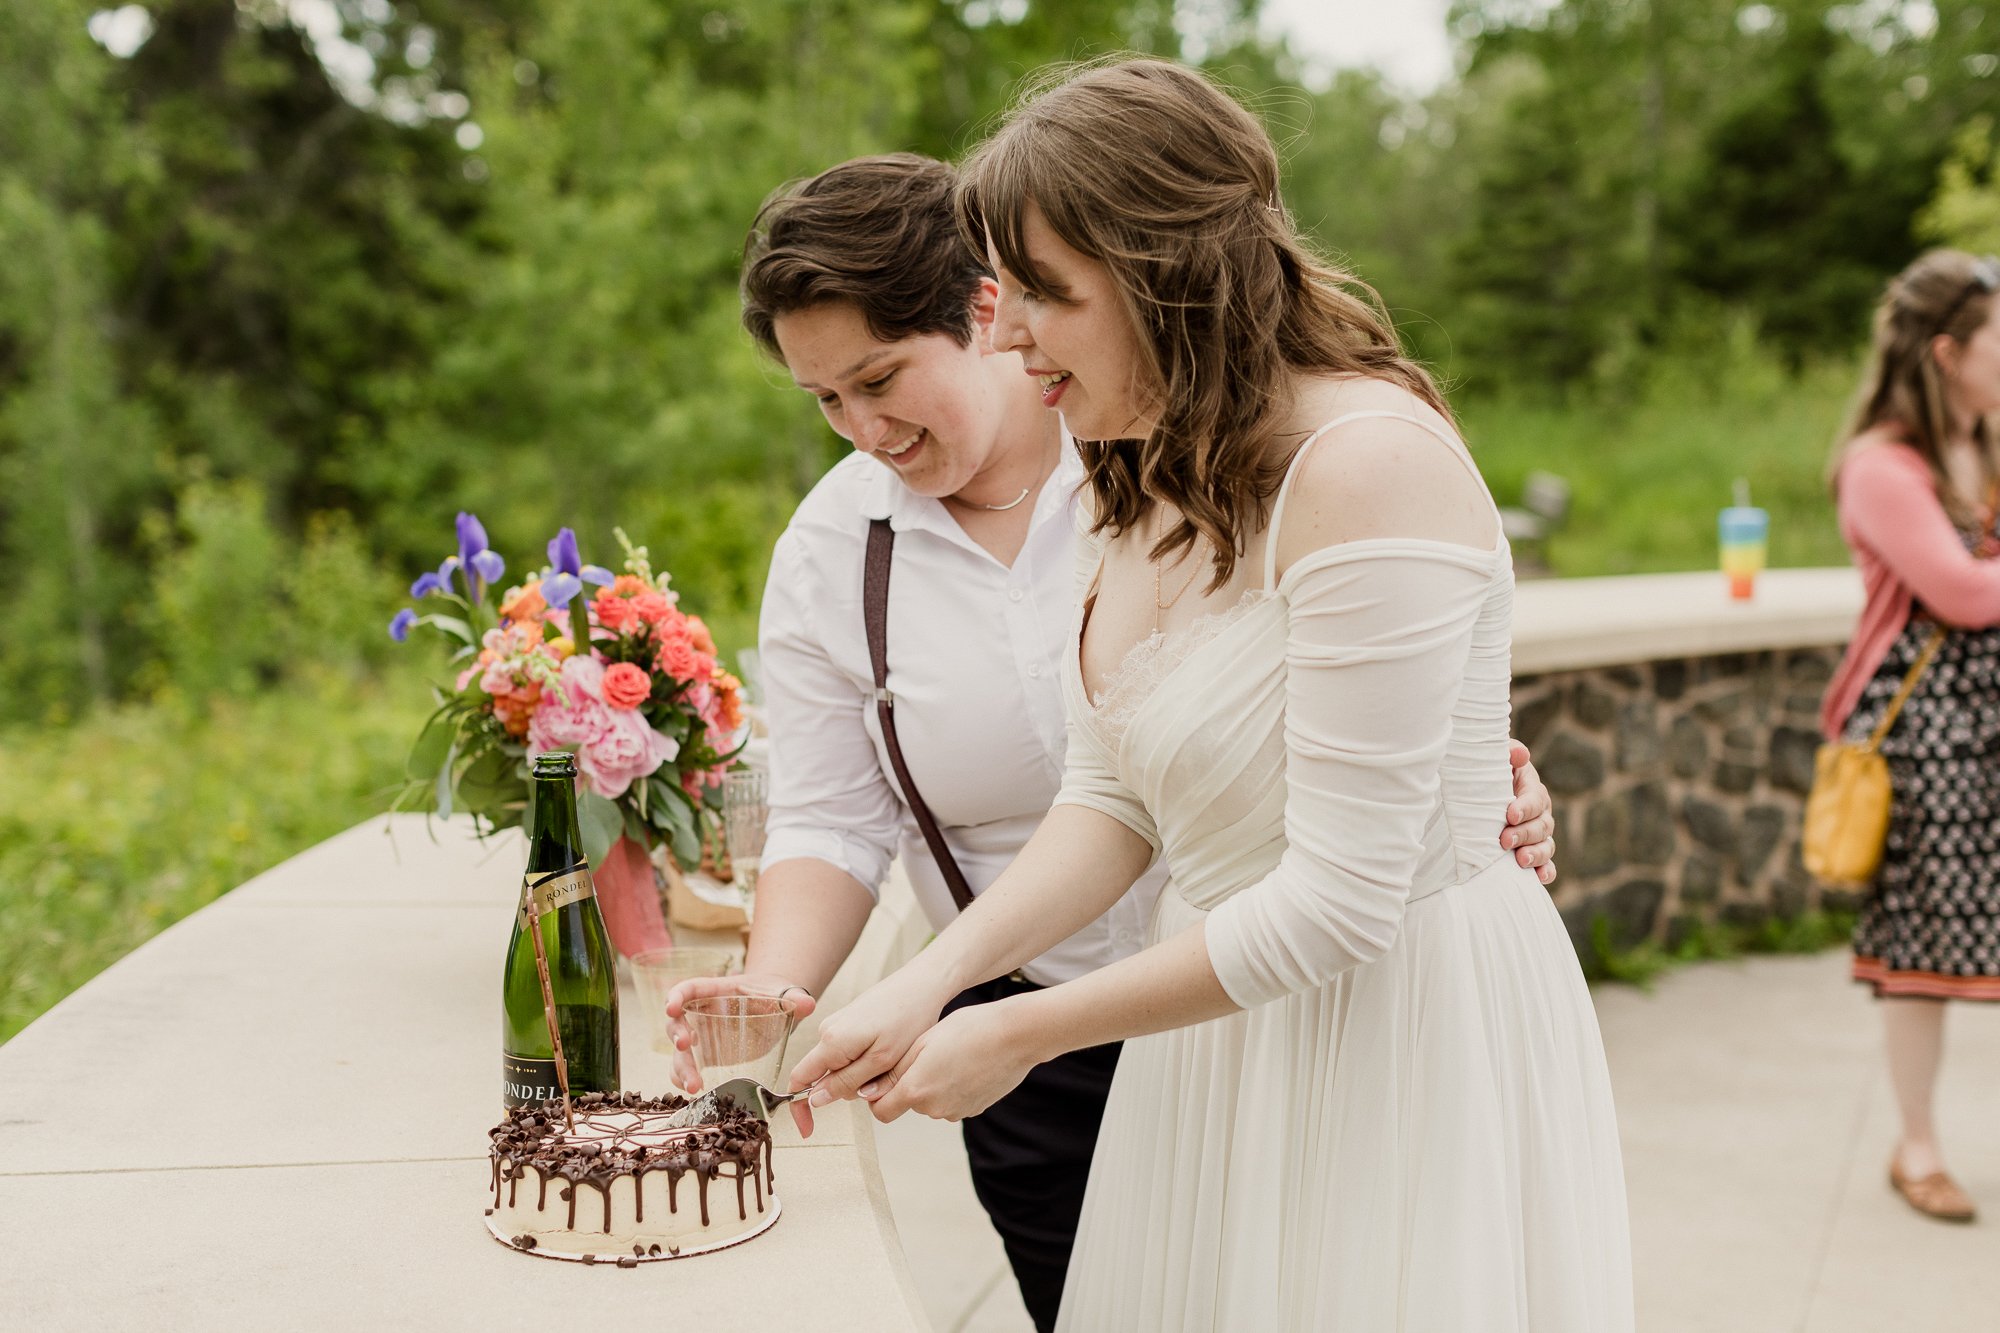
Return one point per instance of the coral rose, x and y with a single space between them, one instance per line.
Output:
629 585
626 685
654 608
702 638
679 660
615 613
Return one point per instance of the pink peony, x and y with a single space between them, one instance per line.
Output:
613 746
626 685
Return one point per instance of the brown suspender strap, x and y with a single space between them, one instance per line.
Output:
875 611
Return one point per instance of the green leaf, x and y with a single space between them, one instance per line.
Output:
434 743
444 780
600 824
489 782
683 835
453 626
636 827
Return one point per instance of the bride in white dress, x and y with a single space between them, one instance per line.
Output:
1362 1087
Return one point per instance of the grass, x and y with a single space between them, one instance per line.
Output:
1713 941
113 828
1648 476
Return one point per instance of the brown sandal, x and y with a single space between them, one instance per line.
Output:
1936 1195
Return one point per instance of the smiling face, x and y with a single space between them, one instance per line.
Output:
1074 336
922 406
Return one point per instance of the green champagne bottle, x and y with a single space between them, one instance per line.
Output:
581 978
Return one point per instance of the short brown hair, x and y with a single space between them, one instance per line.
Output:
1158 174
877 232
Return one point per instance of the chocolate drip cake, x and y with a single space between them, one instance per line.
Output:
625 1188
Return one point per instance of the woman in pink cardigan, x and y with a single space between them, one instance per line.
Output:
1916 478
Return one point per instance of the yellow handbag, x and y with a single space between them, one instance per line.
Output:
1847 813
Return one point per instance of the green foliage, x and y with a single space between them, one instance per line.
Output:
1649 472
118 826
1700 941
1965 212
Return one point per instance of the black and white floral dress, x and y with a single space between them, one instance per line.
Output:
1932 927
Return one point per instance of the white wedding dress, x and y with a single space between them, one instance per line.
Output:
1409 1126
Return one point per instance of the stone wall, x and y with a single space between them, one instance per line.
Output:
1679 788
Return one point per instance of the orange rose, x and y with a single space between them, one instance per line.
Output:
524 603
615 613
629 585
679 660
626 685
703 640
654 608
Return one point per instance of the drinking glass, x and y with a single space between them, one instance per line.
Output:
745 805
740 1036
658 971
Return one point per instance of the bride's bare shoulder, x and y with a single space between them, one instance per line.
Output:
1381 476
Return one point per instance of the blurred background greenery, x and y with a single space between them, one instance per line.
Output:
290 282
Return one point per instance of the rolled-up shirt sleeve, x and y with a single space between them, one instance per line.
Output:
830 800
1376 652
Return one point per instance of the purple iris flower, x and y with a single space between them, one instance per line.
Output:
599 575
471 537
399 628
558 589
489 566
563 557
427 584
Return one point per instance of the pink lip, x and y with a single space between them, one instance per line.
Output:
908 455
1052 395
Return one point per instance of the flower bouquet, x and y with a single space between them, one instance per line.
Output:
578 658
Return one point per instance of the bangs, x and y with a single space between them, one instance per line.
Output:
996 187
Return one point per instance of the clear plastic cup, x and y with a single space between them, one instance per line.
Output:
740 1036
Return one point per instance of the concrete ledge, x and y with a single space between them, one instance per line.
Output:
1570 624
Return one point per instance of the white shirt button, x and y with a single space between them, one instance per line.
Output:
1035 670
1014 594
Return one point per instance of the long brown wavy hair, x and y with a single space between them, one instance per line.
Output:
1943 292
1171 184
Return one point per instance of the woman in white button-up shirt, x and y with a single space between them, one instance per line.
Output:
858 282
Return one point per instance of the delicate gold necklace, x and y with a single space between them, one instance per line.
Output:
1159 606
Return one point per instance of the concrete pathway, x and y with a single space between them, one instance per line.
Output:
1757 1124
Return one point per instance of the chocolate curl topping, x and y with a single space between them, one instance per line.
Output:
549 1008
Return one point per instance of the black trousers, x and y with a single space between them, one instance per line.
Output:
1030 1155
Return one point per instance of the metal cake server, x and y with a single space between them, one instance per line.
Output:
747 1093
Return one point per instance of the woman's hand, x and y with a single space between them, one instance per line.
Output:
687 1071
1531 823
971 1059
868 1038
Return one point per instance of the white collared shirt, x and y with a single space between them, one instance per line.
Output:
975 653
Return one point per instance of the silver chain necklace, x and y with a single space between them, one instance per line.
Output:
974 504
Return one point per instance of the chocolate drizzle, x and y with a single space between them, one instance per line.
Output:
623 1136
